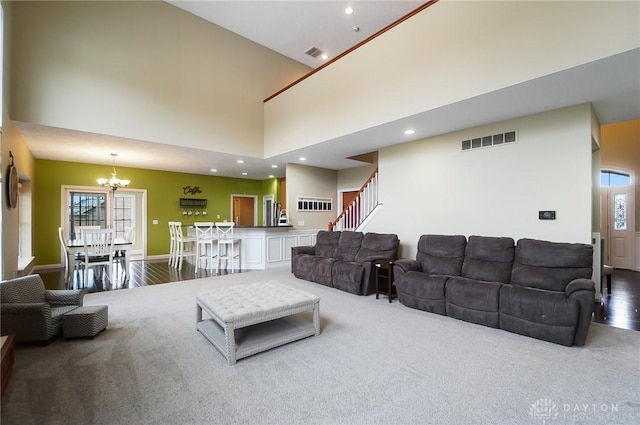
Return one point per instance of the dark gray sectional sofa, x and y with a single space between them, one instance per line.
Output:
344 260
536 288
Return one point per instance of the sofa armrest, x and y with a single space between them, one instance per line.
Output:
579 285
583 292
407 265
65 296
25 309
300 250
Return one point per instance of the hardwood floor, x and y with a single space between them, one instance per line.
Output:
619 309
141 273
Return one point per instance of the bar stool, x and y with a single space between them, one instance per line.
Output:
184 245
172 243
224 230
205 241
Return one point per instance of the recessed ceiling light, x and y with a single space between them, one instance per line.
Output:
274 166
244 174
240 161
302 158
324 56
271 176
213 170
348 10
409 132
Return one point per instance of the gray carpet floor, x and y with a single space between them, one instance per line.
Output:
373 363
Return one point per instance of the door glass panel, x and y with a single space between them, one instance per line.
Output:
620 211
86 209
123 213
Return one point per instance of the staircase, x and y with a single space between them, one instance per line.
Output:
354 214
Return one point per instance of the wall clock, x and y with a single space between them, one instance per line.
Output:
12 184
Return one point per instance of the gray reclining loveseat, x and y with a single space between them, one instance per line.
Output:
536 288
344 260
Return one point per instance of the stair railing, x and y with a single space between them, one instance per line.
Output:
358 210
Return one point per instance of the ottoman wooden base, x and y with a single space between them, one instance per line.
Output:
248 319
85 321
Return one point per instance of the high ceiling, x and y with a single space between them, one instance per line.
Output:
291 28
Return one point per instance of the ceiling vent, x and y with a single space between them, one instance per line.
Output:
314 52
486 141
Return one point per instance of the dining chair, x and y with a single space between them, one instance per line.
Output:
231 245
184 247
205 241
120 254
78 231
98 251
77 261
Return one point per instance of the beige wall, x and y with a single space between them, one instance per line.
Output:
354 178
433 60
142 70
11 141
621 152
431 186
311 182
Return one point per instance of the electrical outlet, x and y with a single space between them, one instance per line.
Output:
155 221
300 223
218 216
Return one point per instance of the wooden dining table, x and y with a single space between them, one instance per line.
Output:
119 244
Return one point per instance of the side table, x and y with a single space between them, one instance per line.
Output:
384 278
8 357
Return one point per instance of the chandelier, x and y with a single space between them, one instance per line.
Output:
114 182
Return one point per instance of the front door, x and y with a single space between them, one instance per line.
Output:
618 218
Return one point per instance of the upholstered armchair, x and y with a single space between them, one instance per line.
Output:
32 312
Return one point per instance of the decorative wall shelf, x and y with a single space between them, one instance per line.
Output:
193 203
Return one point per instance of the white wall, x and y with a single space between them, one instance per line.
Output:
450 52
431 186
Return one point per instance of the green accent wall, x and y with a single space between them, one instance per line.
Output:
164 189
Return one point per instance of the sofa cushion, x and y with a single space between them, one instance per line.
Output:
378 246
537 313
550 265
304 267
321 270
441 254
327 243
473 300
348 276
348 245
488 258
422 291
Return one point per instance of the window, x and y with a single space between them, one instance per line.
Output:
86 209
613 178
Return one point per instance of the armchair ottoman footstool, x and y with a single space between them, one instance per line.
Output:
87 321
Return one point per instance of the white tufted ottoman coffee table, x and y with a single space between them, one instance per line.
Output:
247 319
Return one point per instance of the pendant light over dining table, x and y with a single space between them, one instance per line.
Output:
114 182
